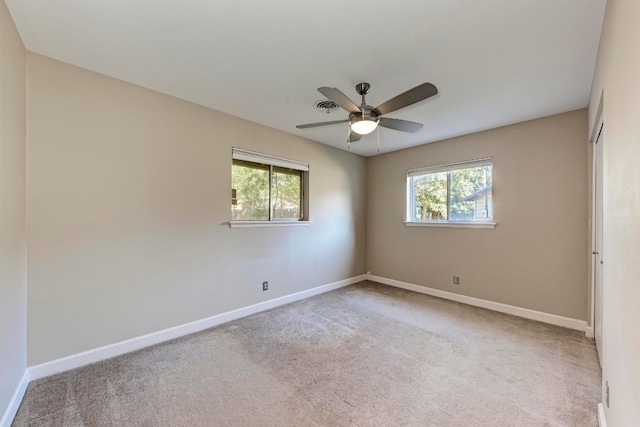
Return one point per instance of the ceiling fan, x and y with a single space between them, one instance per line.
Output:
364 119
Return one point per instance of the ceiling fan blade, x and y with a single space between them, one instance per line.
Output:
417 94
315 125
353 137
339 98
401 125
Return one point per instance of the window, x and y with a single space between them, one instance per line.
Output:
457 194
267 189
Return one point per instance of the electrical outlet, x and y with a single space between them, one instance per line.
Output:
265 286
368 273
456 280
607 392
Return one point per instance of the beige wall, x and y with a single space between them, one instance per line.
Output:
617 74
129 198
535 257
13 237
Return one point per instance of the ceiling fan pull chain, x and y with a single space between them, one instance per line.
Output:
378 139
349 137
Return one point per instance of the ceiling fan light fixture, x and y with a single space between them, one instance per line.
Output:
363 125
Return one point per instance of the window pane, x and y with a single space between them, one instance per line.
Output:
286 189
250 183
470 197
430 196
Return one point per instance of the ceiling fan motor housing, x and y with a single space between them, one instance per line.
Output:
366 113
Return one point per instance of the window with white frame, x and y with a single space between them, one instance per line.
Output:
267 188
455 193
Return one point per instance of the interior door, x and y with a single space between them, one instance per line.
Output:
598 262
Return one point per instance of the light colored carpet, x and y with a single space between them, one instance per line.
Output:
365 355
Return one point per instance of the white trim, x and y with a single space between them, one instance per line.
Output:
275 223
451 224
253 156
12 408
589 332
101 353
592 258
602 421
579 325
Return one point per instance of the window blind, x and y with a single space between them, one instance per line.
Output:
252 156
488 161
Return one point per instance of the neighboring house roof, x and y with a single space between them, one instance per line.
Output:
477 193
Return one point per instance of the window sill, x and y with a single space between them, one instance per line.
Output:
254 224
451 224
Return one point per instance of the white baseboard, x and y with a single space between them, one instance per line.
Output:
12 408
602 421
589 332
553 319
101 353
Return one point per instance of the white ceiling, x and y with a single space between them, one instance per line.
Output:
495 62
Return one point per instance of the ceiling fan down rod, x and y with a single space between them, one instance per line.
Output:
363 89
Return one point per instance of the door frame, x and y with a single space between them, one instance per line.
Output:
597 134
